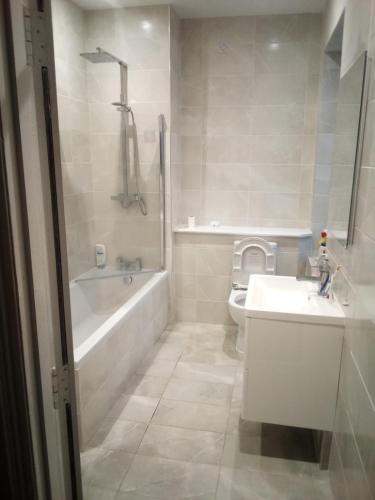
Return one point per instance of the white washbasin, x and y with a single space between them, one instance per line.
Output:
285 298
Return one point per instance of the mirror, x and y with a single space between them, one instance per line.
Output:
347 151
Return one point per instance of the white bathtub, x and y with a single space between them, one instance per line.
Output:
114 328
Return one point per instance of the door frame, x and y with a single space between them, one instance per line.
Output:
30 35
19 475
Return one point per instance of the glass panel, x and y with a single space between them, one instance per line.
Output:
108 118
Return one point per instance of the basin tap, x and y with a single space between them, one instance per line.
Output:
323 276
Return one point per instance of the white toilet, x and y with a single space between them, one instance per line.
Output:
250 256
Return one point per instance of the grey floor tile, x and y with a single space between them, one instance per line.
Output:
170 479
177 339
95 493
209 356
198 392
119 435
178 455
182 444
105 468
205 373
237 484
89 457
191 415
322 485
134 408
121 495
165 351
183 327
145 385
157 368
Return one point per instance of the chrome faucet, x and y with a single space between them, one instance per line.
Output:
323 279
129 265
325 275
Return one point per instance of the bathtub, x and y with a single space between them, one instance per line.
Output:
115 324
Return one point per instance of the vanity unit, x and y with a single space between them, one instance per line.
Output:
292 353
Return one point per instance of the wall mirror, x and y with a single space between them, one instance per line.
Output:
347 150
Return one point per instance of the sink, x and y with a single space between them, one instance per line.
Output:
286 298
293 345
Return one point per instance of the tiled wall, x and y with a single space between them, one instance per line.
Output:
90 128
352 461
69 38
203 269
248 119
329 84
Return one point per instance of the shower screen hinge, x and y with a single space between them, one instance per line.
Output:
60 386
35 37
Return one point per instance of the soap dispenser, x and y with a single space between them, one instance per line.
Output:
100 255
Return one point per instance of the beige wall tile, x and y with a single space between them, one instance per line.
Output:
282 58
229 91
251 87
285 89
225 177
280 119
279 29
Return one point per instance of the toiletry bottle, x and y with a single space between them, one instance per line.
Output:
322 243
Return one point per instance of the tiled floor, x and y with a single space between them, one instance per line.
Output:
176 432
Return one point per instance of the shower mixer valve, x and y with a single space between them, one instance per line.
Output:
129 265
125 199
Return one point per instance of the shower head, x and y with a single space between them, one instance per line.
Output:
102 56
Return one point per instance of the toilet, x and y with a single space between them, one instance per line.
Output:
250 256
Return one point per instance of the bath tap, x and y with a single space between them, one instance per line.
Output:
129 265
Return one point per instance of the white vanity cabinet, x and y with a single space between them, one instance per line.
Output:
293 351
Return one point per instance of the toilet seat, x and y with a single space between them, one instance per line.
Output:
252 256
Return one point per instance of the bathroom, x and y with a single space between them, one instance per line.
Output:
196 242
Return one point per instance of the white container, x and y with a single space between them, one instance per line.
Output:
100 255
191 221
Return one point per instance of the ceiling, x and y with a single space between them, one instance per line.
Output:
216 8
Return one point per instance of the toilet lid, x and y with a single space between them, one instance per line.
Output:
252 256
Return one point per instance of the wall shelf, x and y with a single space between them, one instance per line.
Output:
280 232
